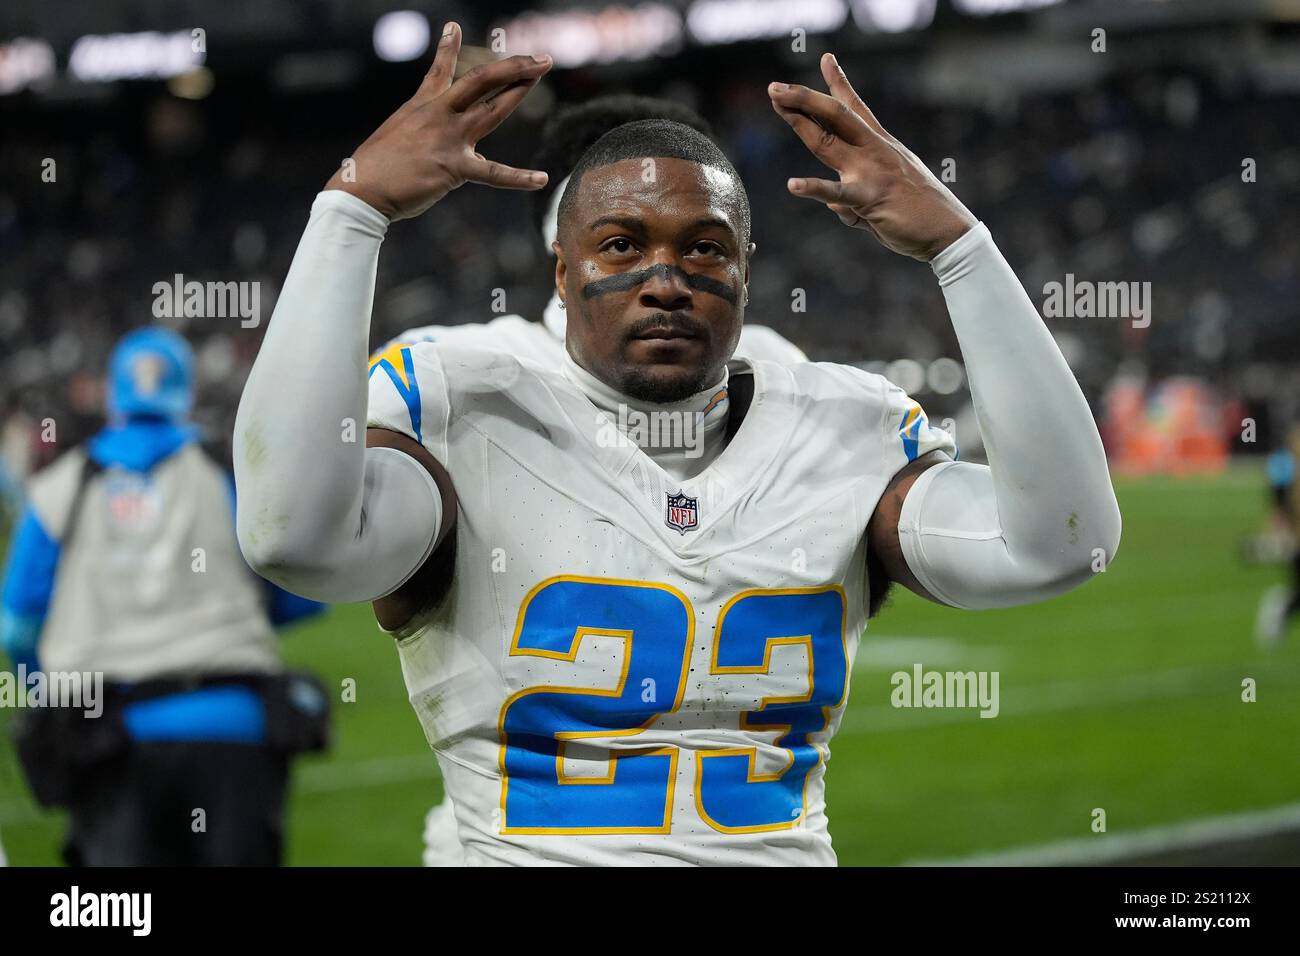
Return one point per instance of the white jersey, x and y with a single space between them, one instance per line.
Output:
511 334
629 670
128 602
544 342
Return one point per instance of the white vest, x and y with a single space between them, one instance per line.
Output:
152 583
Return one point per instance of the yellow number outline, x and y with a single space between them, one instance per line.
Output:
571 656
765 668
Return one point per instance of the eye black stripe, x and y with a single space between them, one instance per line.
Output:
630 280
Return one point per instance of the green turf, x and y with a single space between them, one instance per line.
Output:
1125 695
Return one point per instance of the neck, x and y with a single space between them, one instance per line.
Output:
681 437
609 399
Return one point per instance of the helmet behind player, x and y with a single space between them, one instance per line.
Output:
151 375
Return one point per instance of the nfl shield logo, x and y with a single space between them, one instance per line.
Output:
683 513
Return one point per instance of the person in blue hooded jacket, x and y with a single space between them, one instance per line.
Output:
124 569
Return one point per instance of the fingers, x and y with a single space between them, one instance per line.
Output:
826 110
472 56
824 190
840 197
482 80
485 116
843 91
489 173
823 144
847 215
442 69
819 190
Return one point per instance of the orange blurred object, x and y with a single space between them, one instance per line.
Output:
1175 428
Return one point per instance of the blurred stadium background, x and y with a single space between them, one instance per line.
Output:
1171 157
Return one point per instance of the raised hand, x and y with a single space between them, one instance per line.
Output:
882 186
427 148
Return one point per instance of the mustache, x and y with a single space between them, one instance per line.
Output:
671 321
630 280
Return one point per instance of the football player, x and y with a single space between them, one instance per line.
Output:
566 136
654 665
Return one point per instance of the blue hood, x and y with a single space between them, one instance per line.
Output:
138 444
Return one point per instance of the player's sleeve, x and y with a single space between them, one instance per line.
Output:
319 513
408 393
908 433
28 588
1041 517
34 553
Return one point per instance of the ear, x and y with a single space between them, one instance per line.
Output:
560 269
749 254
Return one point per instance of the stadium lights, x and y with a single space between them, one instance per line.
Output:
577 37
401 36
730 21
984 8
25 62
123 56
893 16
944 376
908 374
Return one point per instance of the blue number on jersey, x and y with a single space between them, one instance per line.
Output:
635 796
731 795
656 623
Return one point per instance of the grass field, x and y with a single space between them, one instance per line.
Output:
1125 696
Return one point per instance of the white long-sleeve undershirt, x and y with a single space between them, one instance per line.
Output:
1041 517
320 514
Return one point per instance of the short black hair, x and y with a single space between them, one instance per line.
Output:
572 129
659 139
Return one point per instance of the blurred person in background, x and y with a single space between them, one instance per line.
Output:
1278 606
124 566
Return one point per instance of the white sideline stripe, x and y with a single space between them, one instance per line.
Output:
1103 848
877 651
375 772
1025 701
